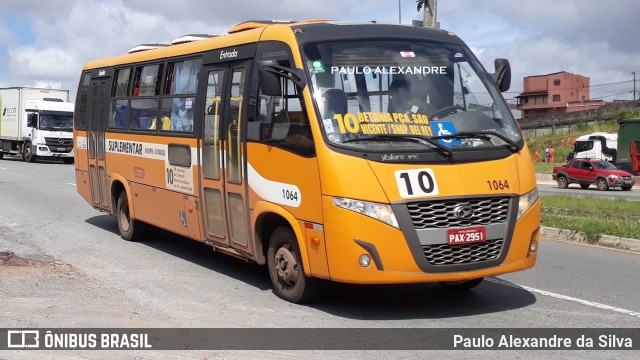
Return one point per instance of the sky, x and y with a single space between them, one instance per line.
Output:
46 43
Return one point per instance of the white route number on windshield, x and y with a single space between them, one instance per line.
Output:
416 183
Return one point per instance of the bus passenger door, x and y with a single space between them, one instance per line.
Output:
96 127
212 167
236 190
226 215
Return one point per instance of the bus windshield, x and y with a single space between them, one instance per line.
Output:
406 95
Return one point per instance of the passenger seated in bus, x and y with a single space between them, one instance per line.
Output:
120 117
144 121
182 115
165 121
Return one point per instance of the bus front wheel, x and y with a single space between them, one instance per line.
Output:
461 285
285 268
130 230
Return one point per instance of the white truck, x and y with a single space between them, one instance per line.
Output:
598 145
36 123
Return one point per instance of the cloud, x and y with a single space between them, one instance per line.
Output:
45 64
593 38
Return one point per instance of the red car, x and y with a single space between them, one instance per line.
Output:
586 172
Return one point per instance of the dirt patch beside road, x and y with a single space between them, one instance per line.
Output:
50 293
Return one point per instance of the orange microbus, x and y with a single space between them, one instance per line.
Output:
353 152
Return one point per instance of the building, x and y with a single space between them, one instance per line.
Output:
555 93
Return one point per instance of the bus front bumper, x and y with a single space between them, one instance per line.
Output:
350 236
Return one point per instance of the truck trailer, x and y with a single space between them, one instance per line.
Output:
36 123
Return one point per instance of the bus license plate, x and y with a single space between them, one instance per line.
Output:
467 235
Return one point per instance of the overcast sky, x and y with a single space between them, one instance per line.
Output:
46 43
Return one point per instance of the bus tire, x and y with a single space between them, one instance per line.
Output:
461 285
27 153
130 230
286 270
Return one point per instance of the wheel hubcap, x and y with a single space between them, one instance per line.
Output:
286 266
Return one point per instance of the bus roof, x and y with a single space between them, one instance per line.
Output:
311 30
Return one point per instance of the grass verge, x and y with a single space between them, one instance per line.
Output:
592 216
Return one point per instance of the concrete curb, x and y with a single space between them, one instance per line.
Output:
576 236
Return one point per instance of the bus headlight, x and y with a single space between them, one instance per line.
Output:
381 212
526 201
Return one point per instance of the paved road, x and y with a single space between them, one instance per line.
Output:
548 187
79 273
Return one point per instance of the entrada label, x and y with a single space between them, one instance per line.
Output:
228 54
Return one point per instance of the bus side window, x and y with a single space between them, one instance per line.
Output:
282 120
120 114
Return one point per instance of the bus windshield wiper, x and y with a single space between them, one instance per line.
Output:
414 138
511 145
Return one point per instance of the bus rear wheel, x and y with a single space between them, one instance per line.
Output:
286 270
130 230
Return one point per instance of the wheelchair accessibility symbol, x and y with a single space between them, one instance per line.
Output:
445 128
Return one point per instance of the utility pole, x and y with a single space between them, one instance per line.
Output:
399 12
634 85
430 14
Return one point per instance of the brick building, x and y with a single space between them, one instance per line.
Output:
555 93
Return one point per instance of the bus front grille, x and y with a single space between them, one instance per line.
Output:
442 213
445 254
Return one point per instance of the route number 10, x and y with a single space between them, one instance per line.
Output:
416 183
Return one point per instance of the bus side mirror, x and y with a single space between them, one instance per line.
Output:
269 76
32 120
502 76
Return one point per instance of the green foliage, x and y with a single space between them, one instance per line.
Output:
543 168
562 142
592 216
592 205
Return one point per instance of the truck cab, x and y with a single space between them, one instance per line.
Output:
598 145
48 131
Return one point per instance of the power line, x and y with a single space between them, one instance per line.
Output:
590 86
606 96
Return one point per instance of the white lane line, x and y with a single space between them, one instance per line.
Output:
1 168
568 298
73 184
7 222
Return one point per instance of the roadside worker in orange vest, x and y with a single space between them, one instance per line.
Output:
537 159
551 155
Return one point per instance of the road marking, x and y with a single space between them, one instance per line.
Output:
73 184
7 222
565 297
1 168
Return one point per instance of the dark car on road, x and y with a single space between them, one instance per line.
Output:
587 171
